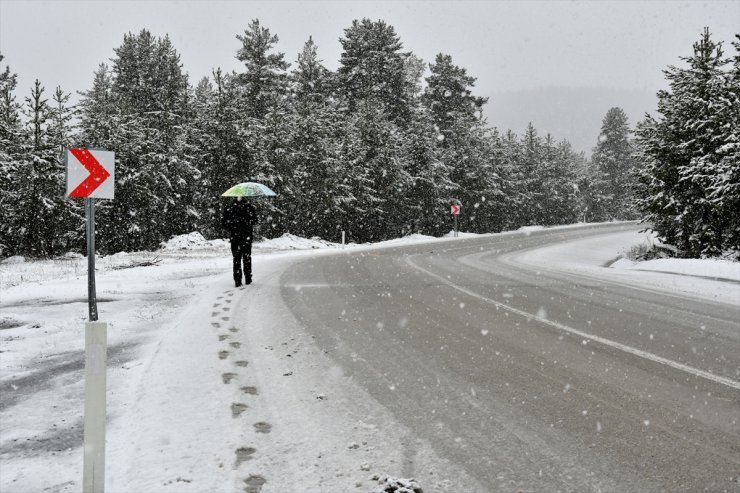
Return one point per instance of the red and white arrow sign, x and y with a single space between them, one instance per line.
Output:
90 173
455 209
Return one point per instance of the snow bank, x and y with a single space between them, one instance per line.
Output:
17 259
190 241
293 242
529 229
595 257
460 234
712 268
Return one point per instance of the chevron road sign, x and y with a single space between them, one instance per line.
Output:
90 173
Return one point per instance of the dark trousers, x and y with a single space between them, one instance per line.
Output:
241 250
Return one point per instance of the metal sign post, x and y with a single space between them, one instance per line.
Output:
92 301
90 176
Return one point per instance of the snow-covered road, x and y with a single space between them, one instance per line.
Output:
213 388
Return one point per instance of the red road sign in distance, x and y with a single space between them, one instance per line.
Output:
89 173
455 209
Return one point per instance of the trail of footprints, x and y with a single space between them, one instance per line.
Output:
253 483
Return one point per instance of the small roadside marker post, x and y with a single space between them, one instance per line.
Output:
90 175
455 206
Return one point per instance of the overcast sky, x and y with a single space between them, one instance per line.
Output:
560 65
508 46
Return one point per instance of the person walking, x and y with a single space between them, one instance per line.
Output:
238 219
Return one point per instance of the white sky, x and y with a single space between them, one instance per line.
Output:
507 45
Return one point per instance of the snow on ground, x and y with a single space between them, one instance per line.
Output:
176 380
213 390
603 257
710 268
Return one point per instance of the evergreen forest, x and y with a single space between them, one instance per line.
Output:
377 148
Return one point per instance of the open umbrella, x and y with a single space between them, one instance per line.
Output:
249 189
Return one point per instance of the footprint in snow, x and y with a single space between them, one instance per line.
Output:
228 377
223 337
263 427
223 354
254 484
244 454
243 364
249 390
235 345
237 408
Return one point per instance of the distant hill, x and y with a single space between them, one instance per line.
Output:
568 113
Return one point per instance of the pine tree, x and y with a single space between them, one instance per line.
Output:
313 142
264 80
611 177
222 136
69 214
686 150
141 111
11 150
311 81
40 180
373 69
425 206
374 175
532 183
449 97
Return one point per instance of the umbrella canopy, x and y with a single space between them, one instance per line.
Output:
249 189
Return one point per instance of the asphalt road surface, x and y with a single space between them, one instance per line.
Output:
539 381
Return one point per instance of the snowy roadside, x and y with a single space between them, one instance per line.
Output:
196 406
603 257
172 404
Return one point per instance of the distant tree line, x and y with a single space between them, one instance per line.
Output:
377 148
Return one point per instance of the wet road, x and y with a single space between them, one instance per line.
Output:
533 380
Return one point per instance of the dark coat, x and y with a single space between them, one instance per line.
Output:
238 219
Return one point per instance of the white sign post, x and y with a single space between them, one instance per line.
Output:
90 175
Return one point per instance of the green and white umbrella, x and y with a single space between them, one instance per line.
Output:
249 189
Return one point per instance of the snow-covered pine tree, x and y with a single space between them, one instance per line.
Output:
612 170
141 112
69 213
531 177
374 173
449 97
725 183
314 144
686 149
262 90
311 81
11 151
560 176
373 69
264 80
222 139
463 143
39 180
513 182
425 206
